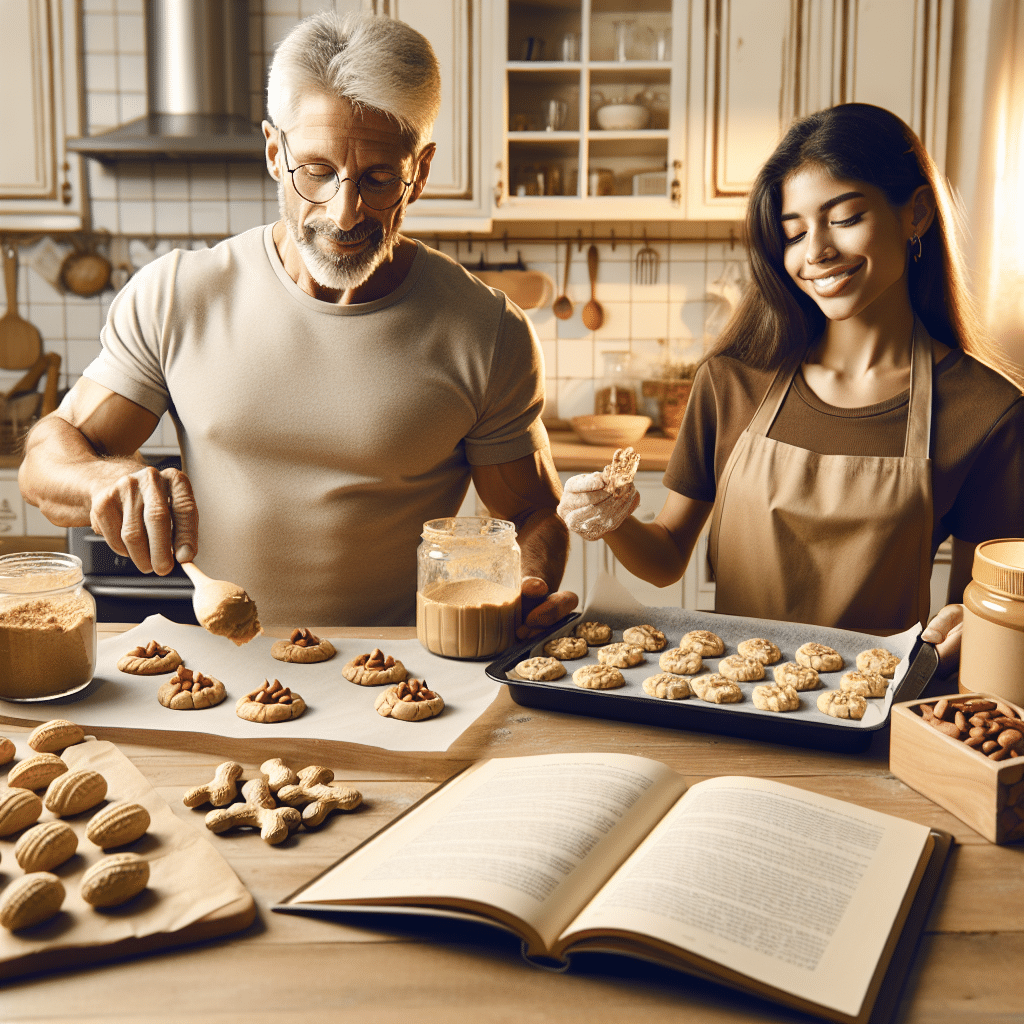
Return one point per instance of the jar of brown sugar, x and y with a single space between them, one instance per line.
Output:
47 626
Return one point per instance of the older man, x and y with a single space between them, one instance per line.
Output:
333 384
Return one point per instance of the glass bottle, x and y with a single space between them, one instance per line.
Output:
616 391
468 586
47 626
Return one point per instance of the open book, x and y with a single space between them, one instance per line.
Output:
797 897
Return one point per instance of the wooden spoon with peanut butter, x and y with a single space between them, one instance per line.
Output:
223 608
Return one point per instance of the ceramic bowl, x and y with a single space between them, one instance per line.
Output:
622 117
611 429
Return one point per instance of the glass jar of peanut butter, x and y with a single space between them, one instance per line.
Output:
47 626
992 645
468 587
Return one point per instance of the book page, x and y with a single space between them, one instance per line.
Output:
533 836
787 887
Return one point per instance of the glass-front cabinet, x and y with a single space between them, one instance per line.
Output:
592 118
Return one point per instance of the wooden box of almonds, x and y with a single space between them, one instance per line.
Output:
983 791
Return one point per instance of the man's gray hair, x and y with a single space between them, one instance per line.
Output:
372 61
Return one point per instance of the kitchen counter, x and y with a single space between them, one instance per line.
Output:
297 969
572 455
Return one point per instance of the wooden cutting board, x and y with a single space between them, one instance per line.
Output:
20 343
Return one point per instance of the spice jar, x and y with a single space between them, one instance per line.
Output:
47 626
468 586
992 644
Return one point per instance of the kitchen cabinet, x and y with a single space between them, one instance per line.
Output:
757 64
41 183
589 110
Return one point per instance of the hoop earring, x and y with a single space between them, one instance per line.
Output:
915 241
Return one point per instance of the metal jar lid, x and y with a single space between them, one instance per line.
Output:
999 564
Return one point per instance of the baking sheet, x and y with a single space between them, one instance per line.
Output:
610 602
336 708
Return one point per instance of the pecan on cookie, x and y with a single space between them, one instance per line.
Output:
621 655
645 636
819 657
598 677
681 661
879 660
867 684
303 647
667 686
773 697
716 689
152 660
759 649
800 677
566 648
709 644
595 633
270 702
374 669
739 668
839 704
409 701
190 691
542 669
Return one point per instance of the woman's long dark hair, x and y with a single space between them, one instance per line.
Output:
858 142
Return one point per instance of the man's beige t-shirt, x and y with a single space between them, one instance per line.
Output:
319 438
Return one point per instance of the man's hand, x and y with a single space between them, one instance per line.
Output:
142 514
542 610
945 631
590 510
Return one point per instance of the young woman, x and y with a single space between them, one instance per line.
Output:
851 417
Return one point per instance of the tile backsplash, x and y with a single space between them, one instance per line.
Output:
157 205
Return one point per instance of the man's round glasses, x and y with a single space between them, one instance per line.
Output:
319 183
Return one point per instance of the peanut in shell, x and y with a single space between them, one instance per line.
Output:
36 772
30 900
19 808
75 792
115 879
46 846
117 824
53 736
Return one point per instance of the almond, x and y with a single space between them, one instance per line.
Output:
19 808
53 736
30 900
6 750
36 772
115 879
117 824
75 792
46 846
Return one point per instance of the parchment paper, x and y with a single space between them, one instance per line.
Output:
336 708
610 602
189 879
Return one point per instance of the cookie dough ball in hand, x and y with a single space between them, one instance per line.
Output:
589 509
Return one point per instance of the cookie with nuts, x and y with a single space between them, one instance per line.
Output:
716 689
152 660
374 669
541 669
820 657
303 648
190 691
741 669
645 636
775 697
566 648
879 660
681 661
709 644
621 655
598 677
840 704
270 702
410 701
595 633
800 677
667 686
867 684
759 649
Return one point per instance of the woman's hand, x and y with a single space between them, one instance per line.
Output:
588 509
944 631
542 610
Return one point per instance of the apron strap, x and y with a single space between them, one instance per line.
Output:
776 394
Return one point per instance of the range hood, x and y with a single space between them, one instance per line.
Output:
197 75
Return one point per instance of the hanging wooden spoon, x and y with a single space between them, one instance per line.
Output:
592 315
562 307
20 343
223 608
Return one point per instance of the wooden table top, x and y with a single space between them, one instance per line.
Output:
291 968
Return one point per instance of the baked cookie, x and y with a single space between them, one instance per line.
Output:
595 633
598 677
879 660
270 702
621 655
566 648
739 668
303 648
646 636
867 684
190 691
773 697
760 650
409 701
374 669
151 660
716 689
544 669
819 657
840 704
800 677
681 661
668 686
709 644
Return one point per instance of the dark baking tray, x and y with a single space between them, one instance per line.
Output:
694 714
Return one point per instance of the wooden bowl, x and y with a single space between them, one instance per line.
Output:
614 429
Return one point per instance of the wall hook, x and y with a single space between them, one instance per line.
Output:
612 233
579 240
504 240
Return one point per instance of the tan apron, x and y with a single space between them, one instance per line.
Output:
832 540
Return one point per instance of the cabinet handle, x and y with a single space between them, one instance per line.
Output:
499 186
66 191
677 188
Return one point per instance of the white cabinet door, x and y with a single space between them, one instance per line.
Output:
457 196
41 185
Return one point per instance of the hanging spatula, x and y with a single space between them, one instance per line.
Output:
20 343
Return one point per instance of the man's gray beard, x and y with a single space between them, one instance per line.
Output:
340 271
